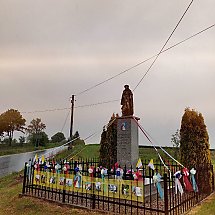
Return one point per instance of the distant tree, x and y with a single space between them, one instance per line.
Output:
40 139
175 140
21 140
6 141
36 126
194 147
2 125
44 139
36 134
11 121
14 141
58 137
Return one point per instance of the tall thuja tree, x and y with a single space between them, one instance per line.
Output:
103 152
194 147
108 144
112 139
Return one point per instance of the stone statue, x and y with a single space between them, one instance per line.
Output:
127 102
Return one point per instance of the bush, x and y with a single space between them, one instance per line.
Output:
194 146
58 137
40 139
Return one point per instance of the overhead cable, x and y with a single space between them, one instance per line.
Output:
46 110
65 158
142 62
99 103
163 46
60 109
151 140
64 124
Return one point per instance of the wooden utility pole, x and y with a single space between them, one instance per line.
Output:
72 117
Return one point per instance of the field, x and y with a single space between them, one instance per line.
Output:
81 151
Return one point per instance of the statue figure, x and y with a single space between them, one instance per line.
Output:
127 102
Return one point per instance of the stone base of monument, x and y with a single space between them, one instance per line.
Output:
127 141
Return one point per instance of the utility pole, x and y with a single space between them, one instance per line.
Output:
72 116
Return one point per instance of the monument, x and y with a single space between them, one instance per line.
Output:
127 131
127 102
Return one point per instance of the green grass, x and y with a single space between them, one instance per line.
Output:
147 153
92 151
11 203
5 149
81 151
207 207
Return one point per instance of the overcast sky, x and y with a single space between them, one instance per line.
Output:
51 49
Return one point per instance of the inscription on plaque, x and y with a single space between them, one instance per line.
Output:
127 141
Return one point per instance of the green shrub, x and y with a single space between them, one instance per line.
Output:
195 148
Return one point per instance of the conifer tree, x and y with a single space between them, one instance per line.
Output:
112 140
103 152
194 147
108 144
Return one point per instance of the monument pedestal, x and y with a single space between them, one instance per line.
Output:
127 141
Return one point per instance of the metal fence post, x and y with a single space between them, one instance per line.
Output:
64 184
93 196
64 192
93 189
166 207
24 180
64 196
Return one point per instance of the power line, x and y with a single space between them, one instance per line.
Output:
91 135
64 124
99 103
130 68
182 41
163 45
87 105
42 111
60 109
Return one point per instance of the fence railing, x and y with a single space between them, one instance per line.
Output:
118 190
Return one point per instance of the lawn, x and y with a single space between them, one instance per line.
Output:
81 151
92 151
11 203
207 207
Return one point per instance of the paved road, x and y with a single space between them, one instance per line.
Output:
15 162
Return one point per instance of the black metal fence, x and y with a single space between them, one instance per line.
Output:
127 192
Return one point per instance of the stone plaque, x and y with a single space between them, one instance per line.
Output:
127 141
